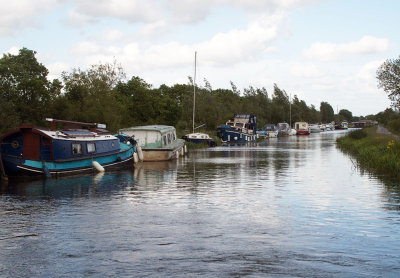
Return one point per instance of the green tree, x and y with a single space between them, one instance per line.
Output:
280 106
90 96
346 115
25 92
388 75
327 113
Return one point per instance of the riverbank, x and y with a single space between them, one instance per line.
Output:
375 149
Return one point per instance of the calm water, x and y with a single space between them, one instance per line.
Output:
290 207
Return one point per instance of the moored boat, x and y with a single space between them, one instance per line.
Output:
157 142
302 128
314 128
30 150
271 130
242 129
199 138
283 129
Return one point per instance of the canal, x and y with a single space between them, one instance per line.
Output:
287 207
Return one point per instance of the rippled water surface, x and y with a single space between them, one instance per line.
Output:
288 207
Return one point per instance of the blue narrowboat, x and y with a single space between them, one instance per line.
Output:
79 147
242 129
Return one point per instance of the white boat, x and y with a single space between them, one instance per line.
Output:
284 129
157 142
314 128
199 138
270 130
302 128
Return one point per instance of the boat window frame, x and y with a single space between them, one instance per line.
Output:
87 147
80 148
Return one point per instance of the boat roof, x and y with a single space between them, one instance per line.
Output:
198 134
159 128
66 134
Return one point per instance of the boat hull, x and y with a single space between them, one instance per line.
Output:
303 132
163 154
20 167
236 137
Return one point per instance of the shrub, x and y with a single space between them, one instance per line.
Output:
357 134
394 126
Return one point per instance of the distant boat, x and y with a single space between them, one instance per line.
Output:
197 138
242 129
29 150
314 128
271 130
283 129
157 142
342 125
302 128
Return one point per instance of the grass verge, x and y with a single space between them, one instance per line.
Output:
378 153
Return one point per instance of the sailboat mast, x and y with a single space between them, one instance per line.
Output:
194 86
290 110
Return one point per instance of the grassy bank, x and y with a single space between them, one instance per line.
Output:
378 153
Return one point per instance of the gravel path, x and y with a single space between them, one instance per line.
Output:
383 130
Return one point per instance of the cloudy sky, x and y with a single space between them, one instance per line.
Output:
320 50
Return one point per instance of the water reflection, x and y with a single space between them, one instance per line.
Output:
88 186
287 207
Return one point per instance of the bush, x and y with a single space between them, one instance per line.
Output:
394 126
357 134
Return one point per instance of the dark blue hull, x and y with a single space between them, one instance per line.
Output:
19 167
209 142
230 136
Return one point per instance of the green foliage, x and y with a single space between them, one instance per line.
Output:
357 134
26 96
346 115
388 115
327 113
388 75
394 126
378 153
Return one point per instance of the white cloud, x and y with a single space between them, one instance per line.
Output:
111 35
20 14
365 79
85 48
306 70
237 46
333 51
223 49
127 10
55 69
14 50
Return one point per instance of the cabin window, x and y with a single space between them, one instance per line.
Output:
76 148
165 140
91 147
174 136
169 138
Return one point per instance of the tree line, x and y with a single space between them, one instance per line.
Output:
103 94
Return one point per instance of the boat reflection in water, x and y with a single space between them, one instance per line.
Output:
87 186
156 172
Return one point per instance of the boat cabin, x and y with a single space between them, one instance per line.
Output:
36 143
302 128
246 123
152 136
